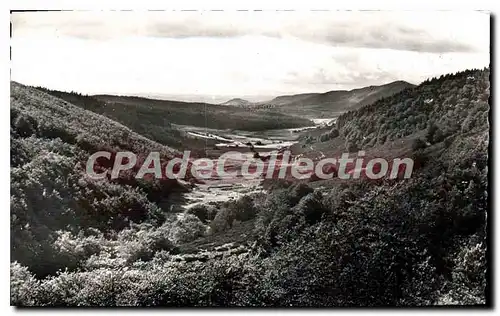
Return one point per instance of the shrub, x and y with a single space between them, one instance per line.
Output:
468 283
204 212
141 242
244 208
186 229
241 210
297 191
24 287
223 220
418 144
351 146
334 133
323 137
25 125
51 131
311 208
278 220
73 250
434 134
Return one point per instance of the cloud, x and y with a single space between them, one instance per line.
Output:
398 38
220 53
436 32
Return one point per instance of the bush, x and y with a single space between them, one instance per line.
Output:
74 250
351 146
205 213
418 144
52 131
323 137
333 133
25 125
297 191
223 220
24 287
434 134
311 208
141 242
278 220
244 209
186 229
241 210
468 283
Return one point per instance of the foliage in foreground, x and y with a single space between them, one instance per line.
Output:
416 242
412 242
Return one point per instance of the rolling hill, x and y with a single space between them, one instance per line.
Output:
454 104
202 114
328 104
53 117
238 103
153 118
414 242
51 193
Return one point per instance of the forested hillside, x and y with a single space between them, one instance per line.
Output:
446 106
154 118
201 114
51 197
151 125
411 242
331 103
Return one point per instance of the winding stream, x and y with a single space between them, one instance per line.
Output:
220 190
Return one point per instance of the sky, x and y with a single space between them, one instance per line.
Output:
248 54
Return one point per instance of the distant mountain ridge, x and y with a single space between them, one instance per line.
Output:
153 118
331 103
238 102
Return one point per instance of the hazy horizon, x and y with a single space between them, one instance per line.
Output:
241 54
214 99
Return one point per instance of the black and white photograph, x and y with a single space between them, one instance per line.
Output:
250 158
